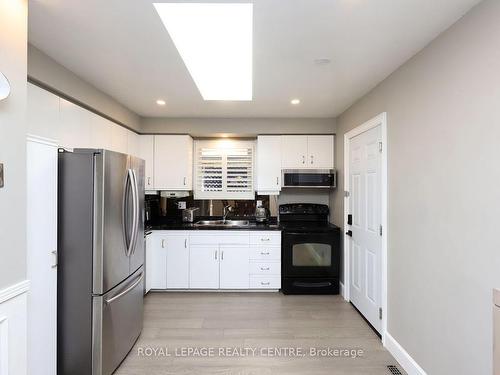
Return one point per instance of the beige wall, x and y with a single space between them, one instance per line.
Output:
205 127
43 69
443 147
13 55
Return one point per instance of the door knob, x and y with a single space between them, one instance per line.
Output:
349 233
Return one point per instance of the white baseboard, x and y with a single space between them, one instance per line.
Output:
404 359
342 290
13 329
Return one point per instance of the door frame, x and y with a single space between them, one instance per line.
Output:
381 120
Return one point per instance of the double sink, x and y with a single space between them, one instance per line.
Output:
222 223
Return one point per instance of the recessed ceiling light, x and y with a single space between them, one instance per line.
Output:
322 61
215 42
295 101
161 102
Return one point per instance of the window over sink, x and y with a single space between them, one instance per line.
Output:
224 169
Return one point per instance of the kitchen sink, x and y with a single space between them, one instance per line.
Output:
222 223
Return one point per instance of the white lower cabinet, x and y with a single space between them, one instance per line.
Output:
177 261
213 260
234 267
156 262
204 267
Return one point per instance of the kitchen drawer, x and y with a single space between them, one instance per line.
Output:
265 238
219 237
265 282
265 253
265 268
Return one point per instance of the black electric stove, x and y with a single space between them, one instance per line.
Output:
310 250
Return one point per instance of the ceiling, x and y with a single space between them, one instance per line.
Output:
122 48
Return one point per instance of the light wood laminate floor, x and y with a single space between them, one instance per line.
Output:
256 321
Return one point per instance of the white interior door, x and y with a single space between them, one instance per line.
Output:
42 256
365 166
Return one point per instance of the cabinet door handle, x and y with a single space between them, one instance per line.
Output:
163 244
184 181
312 159
149 181
263 283
222 255
303 159
55 255
264 268
277 180
185 243
264 253
215 254
265 239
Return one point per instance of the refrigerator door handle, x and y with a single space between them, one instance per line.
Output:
126 291
135 232
129 183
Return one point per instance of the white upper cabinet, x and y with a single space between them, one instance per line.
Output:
74 126
101 132
146 152
269 164
293 151
307 151
42 113
173 162
119 139
133 146
320 151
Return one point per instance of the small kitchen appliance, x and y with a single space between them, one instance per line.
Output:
189 214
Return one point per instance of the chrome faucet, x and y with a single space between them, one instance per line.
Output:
227 210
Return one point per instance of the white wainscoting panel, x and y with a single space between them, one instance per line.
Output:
13 329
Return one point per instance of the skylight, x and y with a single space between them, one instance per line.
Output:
215 42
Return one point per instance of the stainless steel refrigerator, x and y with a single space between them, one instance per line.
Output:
101 259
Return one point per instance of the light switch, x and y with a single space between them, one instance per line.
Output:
1 175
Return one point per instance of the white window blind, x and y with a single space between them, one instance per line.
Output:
224 169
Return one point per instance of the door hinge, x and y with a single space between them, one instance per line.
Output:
380 313
380 230
347 194
380 146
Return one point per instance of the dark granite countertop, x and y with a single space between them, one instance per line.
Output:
272 224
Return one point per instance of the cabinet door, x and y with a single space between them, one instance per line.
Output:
41 201
320 151
269 163
132 143
156 263
146 152
42 113
101 133
74 126
173 162
293 151
177 262
119 139
234 267
204 267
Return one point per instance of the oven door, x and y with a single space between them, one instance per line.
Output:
310 255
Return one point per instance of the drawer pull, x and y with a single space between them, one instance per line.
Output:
264 268
263 283
264 253
265 239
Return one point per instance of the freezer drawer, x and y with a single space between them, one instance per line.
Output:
117 323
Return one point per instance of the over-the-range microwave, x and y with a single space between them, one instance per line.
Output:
309 178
